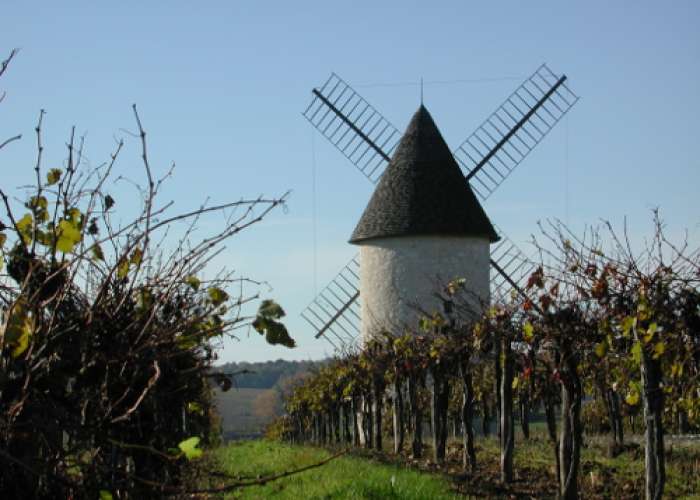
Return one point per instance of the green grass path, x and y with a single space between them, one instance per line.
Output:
345 477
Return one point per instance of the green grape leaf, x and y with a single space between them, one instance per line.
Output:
68 236
275 333
186 342
424 323
53 176
196 408
217 296
106 495
93 228
189 448
109 202
266 324
97 252
194 282
271 309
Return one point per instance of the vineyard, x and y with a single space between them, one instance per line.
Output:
581 381
108 332
597 340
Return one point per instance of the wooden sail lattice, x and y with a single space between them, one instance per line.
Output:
353 126
506 137
335 311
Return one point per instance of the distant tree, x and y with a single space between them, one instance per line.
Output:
268 405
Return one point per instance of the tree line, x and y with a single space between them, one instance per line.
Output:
266 374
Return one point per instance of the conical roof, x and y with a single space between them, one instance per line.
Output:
423 191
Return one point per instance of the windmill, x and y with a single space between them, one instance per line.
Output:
486 158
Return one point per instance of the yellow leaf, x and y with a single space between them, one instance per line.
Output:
632 398
193 407
601 349
659 349
68 236
136 257
516 381
637 352
46 238
649 333
145 299
53 176
627 324
24 225
528 331
217 296
18 328
122 268
194 282
75 216
39 202
643 310
189 448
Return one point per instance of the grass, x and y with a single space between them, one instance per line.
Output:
600 476
345 477
369 475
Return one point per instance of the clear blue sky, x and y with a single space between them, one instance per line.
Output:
221 86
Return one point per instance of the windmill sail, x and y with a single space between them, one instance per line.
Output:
507 136
335 312
353 126
487 157
509 266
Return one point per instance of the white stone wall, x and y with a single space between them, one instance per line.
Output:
396 274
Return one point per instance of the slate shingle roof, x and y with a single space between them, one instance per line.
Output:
423 191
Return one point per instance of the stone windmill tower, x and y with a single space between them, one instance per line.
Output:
424 221
423 224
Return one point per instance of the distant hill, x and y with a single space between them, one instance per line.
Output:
266 374
257 397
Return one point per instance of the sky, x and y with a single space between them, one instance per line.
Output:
220 86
